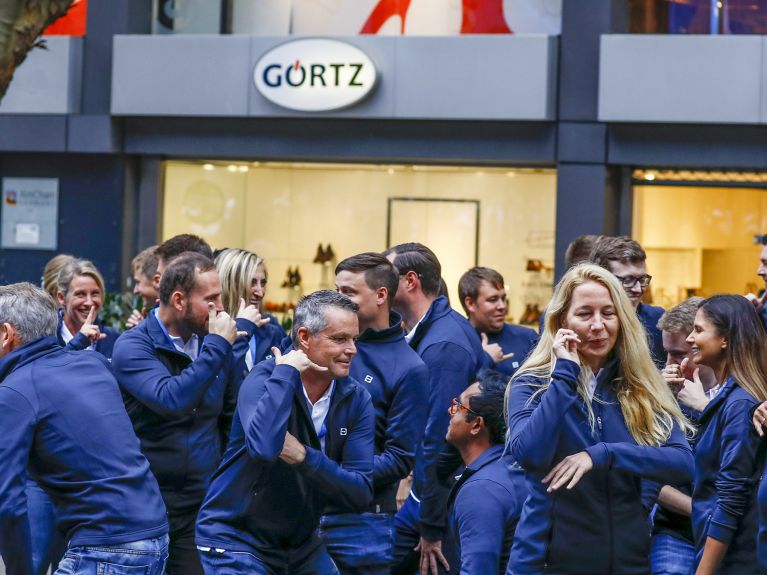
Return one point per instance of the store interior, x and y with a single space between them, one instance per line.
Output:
305 218
698 229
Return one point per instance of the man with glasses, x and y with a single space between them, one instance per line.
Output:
626 259
485 503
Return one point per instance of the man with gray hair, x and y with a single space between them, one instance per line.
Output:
64 424
302 436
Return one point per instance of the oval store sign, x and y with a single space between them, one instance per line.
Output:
315 75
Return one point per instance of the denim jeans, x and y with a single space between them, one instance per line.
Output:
361 543
407 535
48 544
144 557
317 562
671 556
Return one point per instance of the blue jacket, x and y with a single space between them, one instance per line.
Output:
79 341
176 406
452 351
63 421
513 339
649 315
729 459
398 383
257 502
601 525
761 543
484 507
266 337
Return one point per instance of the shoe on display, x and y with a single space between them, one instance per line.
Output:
320 256
288 278
329 254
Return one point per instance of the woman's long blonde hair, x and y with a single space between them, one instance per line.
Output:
649 409
236 268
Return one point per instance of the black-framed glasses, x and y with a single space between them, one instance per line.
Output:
456 404
760 239
629 282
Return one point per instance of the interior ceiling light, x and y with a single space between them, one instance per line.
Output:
208 167
642 175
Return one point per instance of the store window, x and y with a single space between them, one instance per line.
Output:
292 213
699 229
698 16
352 17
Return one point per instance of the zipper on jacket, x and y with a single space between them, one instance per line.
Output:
599 424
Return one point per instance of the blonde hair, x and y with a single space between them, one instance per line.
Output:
648 407
78 267
50 279
236 268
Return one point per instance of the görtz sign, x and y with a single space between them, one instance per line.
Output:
315 75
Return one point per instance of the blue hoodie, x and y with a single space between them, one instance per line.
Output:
176 406
601 525
398 383
452 351
513 339
729 460
257 502
80 342
63 421
484 506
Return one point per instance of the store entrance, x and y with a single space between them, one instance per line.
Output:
295 214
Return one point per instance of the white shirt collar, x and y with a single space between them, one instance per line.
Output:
319 411
411 334
67 336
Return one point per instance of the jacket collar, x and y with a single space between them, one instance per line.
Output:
727 388
392 333
494 453
439 308
26 354
158 337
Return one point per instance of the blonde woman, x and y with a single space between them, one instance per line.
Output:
49 280
80 294
590 417
243 278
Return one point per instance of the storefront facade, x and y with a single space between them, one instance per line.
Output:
496 149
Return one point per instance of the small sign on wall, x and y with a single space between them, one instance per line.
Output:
30 213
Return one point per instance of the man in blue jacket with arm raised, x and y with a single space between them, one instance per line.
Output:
302 438
63 423
398 382
451 350
176 370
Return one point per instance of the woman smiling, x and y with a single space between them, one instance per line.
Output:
589 418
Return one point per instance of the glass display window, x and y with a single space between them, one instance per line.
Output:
291 214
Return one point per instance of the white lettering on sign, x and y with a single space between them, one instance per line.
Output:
315 75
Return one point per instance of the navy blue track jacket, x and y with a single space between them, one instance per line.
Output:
729 460
176 406
514 339
63 422
600 526
258 503
761 543
451 349
398 383
485 504
79 342
649 315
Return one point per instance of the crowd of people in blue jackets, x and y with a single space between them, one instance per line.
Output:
386 434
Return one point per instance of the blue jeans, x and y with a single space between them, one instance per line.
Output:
361 543
145 557
317 562
48 544
671 556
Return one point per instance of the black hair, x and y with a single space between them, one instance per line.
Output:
177 245
181 274
379 272
415 257
488 403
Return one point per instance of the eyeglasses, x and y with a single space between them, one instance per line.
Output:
760 239
629 282
456 404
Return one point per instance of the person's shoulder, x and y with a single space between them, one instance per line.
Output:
515 330
652 311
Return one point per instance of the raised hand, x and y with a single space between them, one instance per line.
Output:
757 301
566 345
251 313
220 323
494 350
672 373
136 317
293 451
90 329
297 359
760 418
